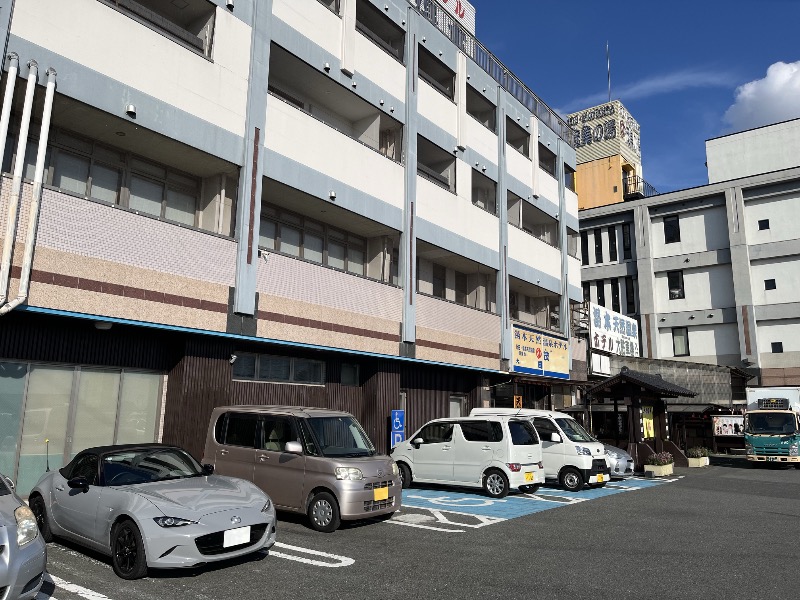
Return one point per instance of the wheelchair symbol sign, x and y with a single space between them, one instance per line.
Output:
398 420
398 427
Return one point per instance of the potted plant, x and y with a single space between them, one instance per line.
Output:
698 456
659 464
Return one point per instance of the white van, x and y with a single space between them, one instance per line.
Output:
495 452
570 454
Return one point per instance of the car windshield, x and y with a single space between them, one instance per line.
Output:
132 467
770 423
341 436
574 431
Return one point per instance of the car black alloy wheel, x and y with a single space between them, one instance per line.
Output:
39 511
127 551
405 476
323 512
495 483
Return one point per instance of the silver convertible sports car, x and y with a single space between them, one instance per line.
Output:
152 505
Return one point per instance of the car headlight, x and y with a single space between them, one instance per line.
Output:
583 450
173 522
267 506
612 454
748 448
395 469
793 449
26 525
350 473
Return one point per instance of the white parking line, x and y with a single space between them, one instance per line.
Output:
69 587
339 561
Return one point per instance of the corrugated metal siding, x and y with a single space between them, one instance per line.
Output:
428 393
381 395
199 375
200 382
44 338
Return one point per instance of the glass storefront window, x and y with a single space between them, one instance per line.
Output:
138 408
12 392
95 410
46 418
48 414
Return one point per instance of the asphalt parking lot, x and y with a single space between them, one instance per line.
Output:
698 534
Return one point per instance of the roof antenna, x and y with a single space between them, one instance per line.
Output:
608 62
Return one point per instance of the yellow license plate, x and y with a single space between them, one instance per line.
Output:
381 494
528 476
600 478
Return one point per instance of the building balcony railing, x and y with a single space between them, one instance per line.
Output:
439 17
634 187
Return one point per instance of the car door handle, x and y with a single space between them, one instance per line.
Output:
223 452
486 448
60 488
444 448
263 458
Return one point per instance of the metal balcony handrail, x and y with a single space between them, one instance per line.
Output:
635 185
444 22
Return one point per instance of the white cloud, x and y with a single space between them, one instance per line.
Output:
656 85
772 99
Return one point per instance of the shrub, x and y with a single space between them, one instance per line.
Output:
697 452
660 459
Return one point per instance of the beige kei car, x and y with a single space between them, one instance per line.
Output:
309 460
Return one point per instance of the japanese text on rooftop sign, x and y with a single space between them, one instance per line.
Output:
536 353
612 332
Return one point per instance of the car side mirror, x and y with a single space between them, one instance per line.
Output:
417 442
9 483
79 483
554 437
208 469
293 448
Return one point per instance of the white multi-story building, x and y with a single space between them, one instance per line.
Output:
344 203
712 273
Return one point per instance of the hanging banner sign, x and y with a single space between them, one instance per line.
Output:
612 332
537 353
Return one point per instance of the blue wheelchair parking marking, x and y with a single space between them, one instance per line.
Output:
516 504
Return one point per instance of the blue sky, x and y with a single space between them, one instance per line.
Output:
677 65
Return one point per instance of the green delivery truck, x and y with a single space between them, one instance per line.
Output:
772 425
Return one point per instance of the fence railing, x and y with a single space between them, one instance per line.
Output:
635 187
487 61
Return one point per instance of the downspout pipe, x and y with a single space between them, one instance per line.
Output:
5 117
36 201
16 185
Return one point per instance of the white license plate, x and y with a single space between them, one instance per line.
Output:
236 537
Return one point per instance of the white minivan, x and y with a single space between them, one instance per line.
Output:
570 454
497 453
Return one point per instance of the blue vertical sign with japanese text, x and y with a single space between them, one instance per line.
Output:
398 427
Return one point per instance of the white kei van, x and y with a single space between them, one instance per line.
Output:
494 452
570 454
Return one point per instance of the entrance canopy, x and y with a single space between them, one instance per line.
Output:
637 384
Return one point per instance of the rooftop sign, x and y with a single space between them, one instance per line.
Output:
612 332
